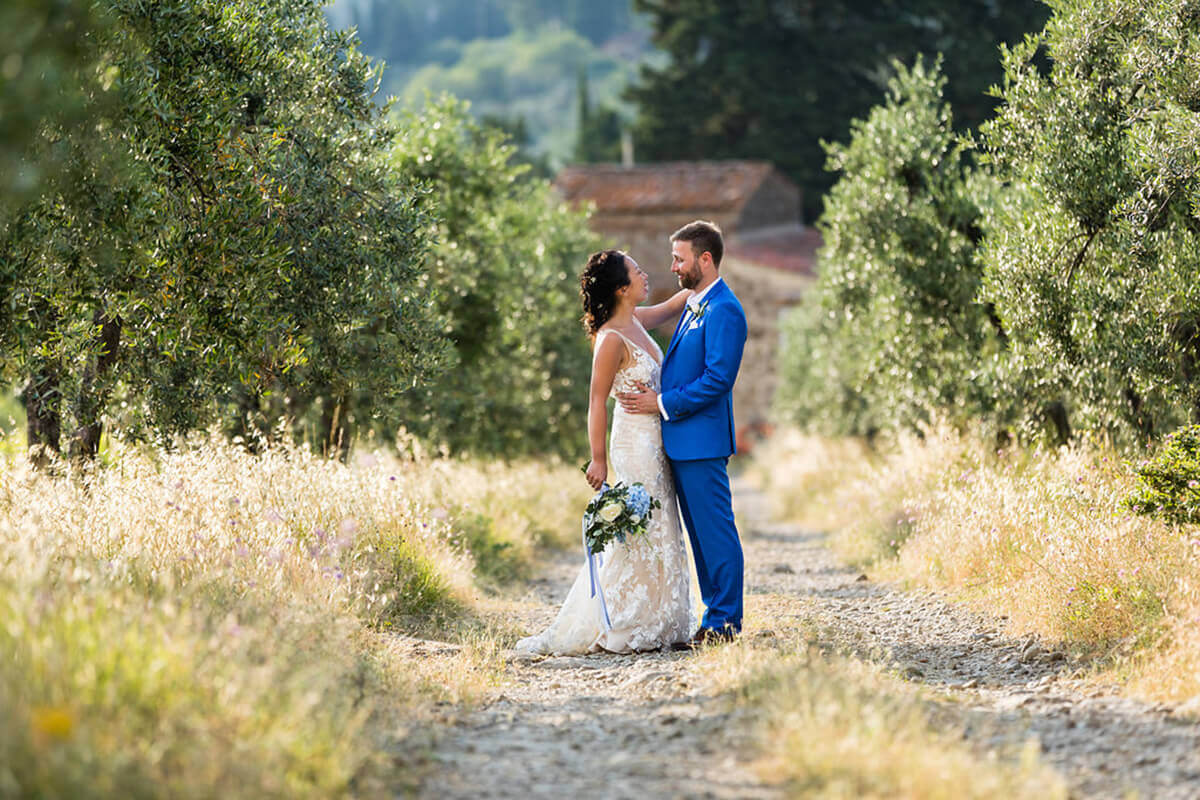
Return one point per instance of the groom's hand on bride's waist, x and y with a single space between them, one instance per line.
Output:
640 402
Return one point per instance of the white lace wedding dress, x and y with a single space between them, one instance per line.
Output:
646 581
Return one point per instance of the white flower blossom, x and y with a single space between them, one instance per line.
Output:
610 511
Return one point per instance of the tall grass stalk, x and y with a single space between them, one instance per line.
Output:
211 623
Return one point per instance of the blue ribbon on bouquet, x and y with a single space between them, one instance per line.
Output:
595 561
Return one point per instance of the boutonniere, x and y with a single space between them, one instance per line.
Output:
698 315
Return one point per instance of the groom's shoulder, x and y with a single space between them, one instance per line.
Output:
730 298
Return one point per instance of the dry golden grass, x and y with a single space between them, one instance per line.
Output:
1038 536
210 623
841 728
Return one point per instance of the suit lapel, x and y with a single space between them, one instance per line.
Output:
675 336
714 295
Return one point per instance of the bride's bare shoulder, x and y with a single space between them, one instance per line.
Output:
609 348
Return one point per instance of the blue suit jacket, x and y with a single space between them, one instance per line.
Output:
698 372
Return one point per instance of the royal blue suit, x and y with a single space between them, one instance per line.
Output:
698 373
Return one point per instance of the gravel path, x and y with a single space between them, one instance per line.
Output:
646 726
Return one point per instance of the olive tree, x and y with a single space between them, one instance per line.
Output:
505 271
893 332
244 222
1092 258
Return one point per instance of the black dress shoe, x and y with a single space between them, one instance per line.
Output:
706 636
715 635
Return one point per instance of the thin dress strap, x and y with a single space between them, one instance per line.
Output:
628 344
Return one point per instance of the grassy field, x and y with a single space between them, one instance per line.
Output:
1039 536
210 623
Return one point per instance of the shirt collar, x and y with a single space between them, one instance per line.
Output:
695 300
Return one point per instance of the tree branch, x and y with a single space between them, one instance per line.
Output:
1079 258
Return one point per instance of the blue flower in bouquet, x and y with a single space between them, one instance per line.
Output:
617 512
639 500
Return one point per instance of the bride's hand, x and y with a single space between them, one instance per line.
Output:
597 473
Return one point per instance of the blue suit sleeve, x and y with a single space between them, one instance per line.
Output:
724 340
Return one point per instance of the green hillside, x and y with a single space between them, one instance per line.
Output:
518 62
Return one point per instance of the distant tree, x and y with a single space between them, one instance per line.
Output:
771 79
531 75
410 33
406 32
512 59
599 137
516 131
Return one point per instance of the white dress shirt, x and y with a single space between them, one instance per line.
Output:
693 308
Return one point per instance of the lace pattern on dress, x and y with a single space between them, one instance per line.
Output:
646 581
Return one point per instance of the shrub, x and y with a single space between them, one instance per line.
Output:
893 331
1169 484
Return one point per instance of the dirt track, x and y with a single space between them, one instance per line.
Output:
646 726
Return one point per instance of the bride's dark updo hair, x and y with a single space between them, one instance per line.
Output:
605 273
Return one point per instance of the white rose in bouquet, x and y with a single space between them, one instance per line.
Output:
630 504
610 511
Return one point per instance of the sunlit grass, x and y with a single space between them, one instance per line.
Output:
12 424
212 623
1038 536
836 727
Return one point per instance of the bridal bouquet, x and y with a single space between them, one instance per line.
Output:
617 512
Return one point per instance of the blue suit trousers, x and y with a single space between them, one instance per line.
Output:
706 505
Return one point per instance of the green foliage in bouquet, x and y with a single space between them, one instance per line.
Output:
1169 484
616 513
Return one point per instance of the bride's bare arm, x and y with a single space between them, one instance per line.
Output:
606 361
653 316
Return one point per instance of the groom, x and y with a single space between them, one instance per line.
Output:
696 406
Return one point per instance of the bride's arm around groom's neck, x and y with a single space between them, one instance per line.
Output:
653 316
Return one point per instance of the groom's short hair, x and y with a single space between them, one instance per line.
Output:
702 236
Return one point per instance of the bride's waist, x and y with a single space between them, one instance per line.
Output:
624 417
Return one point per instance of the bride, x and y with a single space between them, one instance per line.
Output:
645 581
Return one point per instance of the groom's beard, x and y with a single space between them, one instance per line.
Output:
689 280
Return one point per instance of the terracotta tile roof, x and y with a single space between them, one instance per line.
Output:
715 186
793 249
